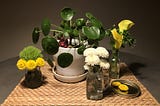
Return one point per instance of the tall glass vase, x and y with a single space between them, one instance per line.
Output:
114 64
94 84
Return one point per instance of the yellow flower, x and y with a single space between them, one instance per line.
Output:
117 37
31 64
21 64
40 62
125 25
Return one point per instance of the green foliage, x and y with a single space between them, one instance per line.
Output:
65 59
50 45
30 53
91 32
127 39
81 49
46 26
35 35
81 29
67 14
80 22
93 20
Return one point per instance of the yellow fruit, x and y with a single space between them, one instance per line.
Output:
116 83
123 87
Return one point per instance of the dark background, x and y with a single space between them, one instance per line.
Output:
18 17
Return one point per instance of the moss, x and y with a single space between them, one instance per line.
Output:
30 53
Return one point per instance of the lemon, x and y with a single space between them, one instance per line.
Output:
116 83
123 87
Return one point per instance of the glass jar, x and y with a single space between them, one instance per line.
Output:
94 83
106 79
114 64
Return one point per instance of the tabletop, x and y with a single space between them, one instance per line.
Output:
55 92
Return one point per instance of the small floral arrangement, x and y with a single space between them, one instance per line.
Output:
96 58
120 37
30 59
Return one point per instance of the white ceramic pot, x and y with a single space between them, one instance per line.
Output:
76 68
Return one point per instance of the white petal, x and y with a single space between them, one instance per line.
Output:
89 51
92 60
102 52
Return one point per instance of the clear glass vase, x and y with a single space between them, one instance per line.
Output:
114 72
94 83
106 79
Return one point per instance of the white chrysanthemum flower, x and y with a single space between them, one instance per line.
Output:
89 51
102 52
104 64
86 67
92 60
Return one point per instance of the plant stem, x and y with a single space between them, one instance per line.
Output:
57 31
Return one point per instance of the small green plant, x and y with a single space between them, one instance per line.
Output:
30 53
30 59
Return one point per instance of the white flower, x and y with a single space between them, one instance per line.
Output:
89 51
86 67
104 64
102 52
92 60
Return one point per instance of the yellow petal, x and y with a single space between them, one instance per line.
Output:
125 25
21 64
31 64
116 35
40 62
118 44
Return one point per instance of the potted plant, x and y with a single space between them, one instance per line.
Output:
30 61
67 41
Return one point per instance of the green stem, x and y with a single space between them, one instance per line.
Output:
56 31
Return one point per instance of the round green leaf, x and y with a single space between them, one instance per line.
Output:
93 20
35 35
50 45
45 26
65 59
91 32
80 22
67 14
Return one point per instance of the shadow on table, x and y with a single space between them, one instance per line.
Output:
146 71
